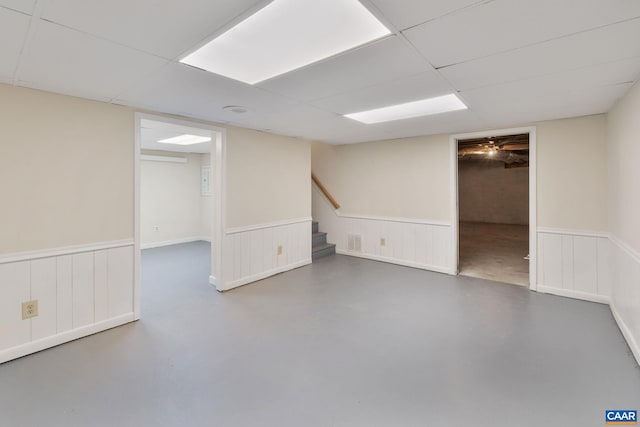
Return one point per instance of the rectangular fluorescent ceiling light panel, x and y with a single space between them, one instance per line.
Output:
286 35
424 107
185 140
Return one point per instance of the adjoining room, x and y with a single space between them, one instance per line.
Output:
493 197
177 200
175 184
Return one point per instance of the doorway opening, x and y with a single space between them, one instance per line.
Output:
178 201
495 209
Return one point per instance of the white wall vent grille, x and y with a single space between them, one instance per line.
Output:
354 242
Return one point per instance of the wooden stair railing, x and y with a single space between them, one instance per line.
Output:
326 193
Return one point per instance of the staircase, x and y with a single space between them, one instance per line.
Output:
319 246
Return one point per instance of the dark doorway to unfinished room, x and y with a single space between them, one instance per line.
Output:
493 192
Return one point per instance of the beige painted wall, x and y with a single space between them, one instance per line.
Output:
170 198
624 172
66 171
489 192
405 178
268 178
624 211
572 173
409 178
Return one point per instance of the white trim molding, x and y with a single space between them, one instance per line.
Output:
167 159
626 332
218 162
570 293
395 219
263 275
573 232
54 340
163 243
635 255
412 264
533 199
244 229
65 250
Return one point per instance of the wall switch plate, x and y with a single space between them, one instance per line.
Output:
29 309
383 241
279 249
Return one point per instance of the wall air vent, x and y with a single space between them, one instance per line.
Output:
354 242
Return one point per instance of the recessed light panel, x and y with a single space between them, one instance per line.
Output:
185 140
286 35
424 107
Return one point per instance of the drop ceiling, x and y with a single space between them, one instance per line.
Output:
510 61
151 132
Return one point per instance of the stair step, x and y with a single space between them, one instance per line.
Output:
314 226
323 250
318 238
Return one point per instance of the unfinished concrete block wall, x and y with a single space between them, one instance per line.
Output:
488 192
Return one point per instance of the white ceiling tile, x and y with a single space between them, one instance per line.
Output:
13 29
407 13
304 121
413 88
580 50
588 91
596 101
165 28
24 6
180 89
538 68
457 121
69 62
385 60
429 125
501 25
152 131
362 133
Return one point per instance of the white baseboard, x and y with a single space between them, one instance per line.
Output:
54 340
626 332
265 274
585 296
396 261
174 242
213 280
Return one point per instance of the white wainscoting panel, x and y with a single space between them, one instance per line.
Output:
78 292
574 264
120 287
100 285
14 290
251 253
625 292
64 284
43 284
409 242
83 290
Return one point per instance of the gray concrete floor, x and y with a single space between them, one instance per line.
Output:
494 252
341 342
